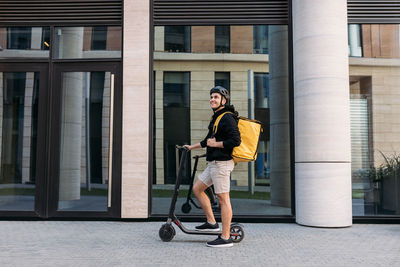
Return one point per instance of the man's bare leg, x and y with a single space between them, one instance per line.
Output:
198 190
226 213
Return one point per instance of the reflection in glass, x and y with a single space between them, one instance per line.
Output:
355 45
262 188
87 42
85 142
176 113
222 39
18 120
260 40
261 110
99 38
261 87
177 38
375 124
19 37
223 79
16 42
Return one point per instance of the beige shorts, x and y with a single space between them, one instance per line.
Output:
218 173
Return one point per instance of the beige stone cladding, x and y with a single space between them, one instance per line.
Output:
202 68
135 110
385 111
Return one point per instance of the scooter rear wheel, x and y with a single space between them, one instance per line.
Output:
237 233
186 208
166 232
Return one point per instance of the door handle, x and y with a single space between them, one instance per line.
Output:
111 140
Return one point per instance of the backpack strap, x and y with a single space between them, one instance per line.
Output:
215 127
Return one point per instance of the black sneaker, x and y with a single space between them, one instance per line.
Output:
220 243
208 227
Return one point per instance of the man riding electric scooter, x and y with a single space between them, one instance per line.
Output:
219 165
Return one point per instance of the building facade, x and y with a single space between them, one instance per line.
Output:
94 100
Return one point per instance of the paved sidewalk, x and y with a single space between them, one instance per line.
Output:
96 243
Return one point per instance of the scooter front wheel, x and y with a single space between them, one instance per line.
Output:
237 233
166 232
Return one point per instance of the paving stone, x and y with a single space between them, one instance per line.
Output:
105 243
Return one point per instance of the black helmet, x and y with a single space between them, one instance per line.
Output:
222 91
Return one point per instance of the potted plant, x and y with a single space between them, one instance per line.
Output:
371 179
390 184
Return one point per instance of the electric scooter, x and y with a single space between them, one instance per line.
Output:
186 207
167 230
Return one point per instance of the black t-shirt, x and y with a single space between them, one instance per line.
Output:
227 132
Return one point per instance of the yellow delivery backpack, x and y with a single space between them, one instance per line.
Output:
250 131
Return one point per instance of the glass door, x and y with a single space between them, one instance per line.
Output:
85 178
23 124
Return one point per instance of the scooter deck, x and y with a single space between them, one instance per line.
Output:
198 232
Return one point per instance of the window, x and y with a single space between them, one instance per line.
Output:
182 114
177 38
87 42
261 89
222 39
99 38
46 38
19 37
18 139
24 42
261 113
355 40
260 39
85 141
374 118
223 79
176 129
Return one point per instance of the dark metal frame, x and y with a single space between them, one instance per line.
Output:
56 107
239 218
47 182
41 155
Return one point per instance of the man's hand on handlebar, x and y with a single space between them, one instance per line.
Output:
188 147
191 147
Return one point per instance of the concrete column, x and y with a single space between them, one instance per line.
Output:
71 139
279 115
322 116
71 42
136 106
36 38
355 40
159 38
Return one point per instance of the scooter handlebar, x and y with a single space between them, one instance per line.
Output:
181 148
